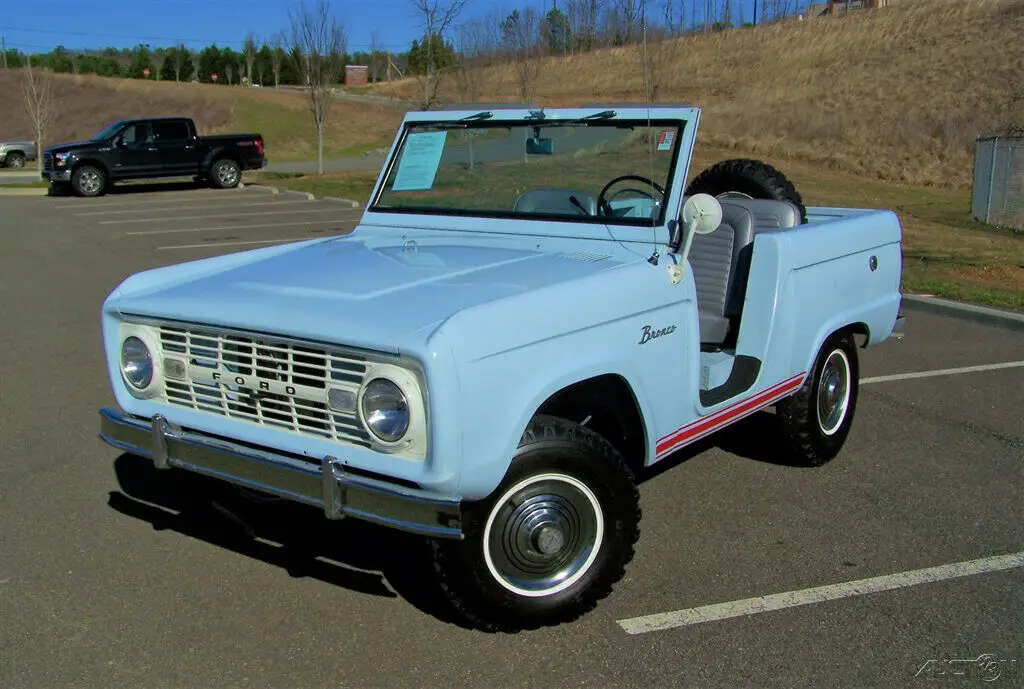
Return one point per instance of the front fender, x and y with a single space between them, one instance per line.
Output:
555 338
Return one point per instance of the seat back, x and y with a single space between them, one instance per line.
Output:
713 257
555 201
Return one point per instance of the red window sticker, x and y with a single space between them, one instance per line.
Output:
665 140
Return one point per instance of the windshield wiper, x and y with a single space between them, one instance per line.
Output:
603 115
483 115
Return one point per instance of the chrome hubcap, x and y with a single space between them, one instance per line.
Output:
543 535
90 182
834 392
16 161
226 174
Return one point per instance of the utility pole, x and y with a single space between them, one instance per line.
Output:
3 49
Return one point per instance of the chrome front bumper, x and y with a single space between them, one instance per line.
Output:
337 491
61 175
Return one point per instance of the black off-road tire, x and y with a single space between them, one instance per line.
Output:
814 441
225 174
89 181
552 447
752 178
14 160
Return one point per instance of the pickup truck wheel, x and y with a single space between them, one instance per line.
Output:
746 178
552 540
818 417
15 160
225 174
88 181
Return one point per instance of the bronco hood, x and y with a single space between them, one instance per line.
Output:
351 291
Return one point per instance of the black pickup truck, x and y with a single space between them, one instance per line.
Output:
152 148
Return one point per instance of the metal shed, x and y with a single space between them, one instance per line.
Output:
998 195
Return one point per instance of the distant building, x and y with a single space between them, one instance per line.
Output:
356 75
835 7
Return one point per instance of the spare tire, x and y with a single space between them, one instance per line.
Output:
751 178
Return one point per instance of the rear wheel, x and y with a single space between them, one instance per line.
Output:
817 419
15 160
88 181
746 178
552 540
225 173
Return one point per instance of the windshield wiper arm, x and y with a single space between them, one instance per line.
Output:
483 115
603 115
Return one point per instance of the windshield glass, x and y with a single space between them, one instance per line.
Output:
109 131
597 171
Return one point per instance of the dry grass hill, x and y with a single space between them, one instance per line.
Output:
86 104
898 93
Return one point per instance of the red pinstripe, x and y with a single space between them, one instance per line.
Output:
737 410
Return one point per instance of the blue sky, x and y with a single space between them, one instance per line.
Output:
40 25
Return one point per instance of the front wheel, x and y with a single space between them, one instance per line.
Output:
225 174
552 540
88 181
817 419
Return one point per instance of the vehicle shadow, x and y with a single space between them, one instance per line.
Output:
350 554
134 188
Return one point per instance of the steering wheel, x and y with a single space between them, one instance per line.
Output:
602 203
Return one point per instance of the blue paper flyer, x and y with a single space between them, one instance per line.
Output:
420 161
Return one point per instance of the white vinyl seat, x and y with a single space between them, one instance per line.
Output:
721 261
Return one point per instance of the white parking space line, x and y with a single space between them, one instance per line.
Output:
237 227
942 372
820 594
121 211
228 215
255 241
152 198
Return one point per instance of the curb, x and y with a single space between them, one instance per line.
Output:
350 202
269 189
987 315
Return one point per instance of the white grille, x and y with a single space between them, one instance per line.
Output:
295 378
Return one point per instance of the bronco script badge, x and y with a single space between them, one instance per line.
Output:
649 334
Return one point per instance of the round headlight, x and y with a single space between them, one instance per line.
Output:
136 363
385 410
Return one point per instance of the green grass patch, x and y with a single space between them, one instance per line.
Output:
290 135
353 186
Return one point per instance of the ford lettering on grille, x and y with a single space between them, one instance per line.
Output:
266 380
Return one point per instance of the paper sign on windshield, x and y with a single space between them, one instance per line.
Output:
420 161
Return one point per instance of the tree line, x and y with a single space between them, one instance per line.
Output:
574 27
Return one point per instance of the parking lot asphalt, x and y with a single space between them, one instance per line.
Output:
112 575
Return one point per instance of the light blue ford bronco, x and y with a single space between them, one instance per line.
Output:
533 310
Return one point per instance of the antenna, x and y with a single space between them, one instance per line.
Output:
653 260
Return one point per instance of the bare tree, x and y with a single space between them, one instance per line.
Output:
277 42
437 18
521 34
249 51
38 101
178 59
374 56
319 41
473 48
